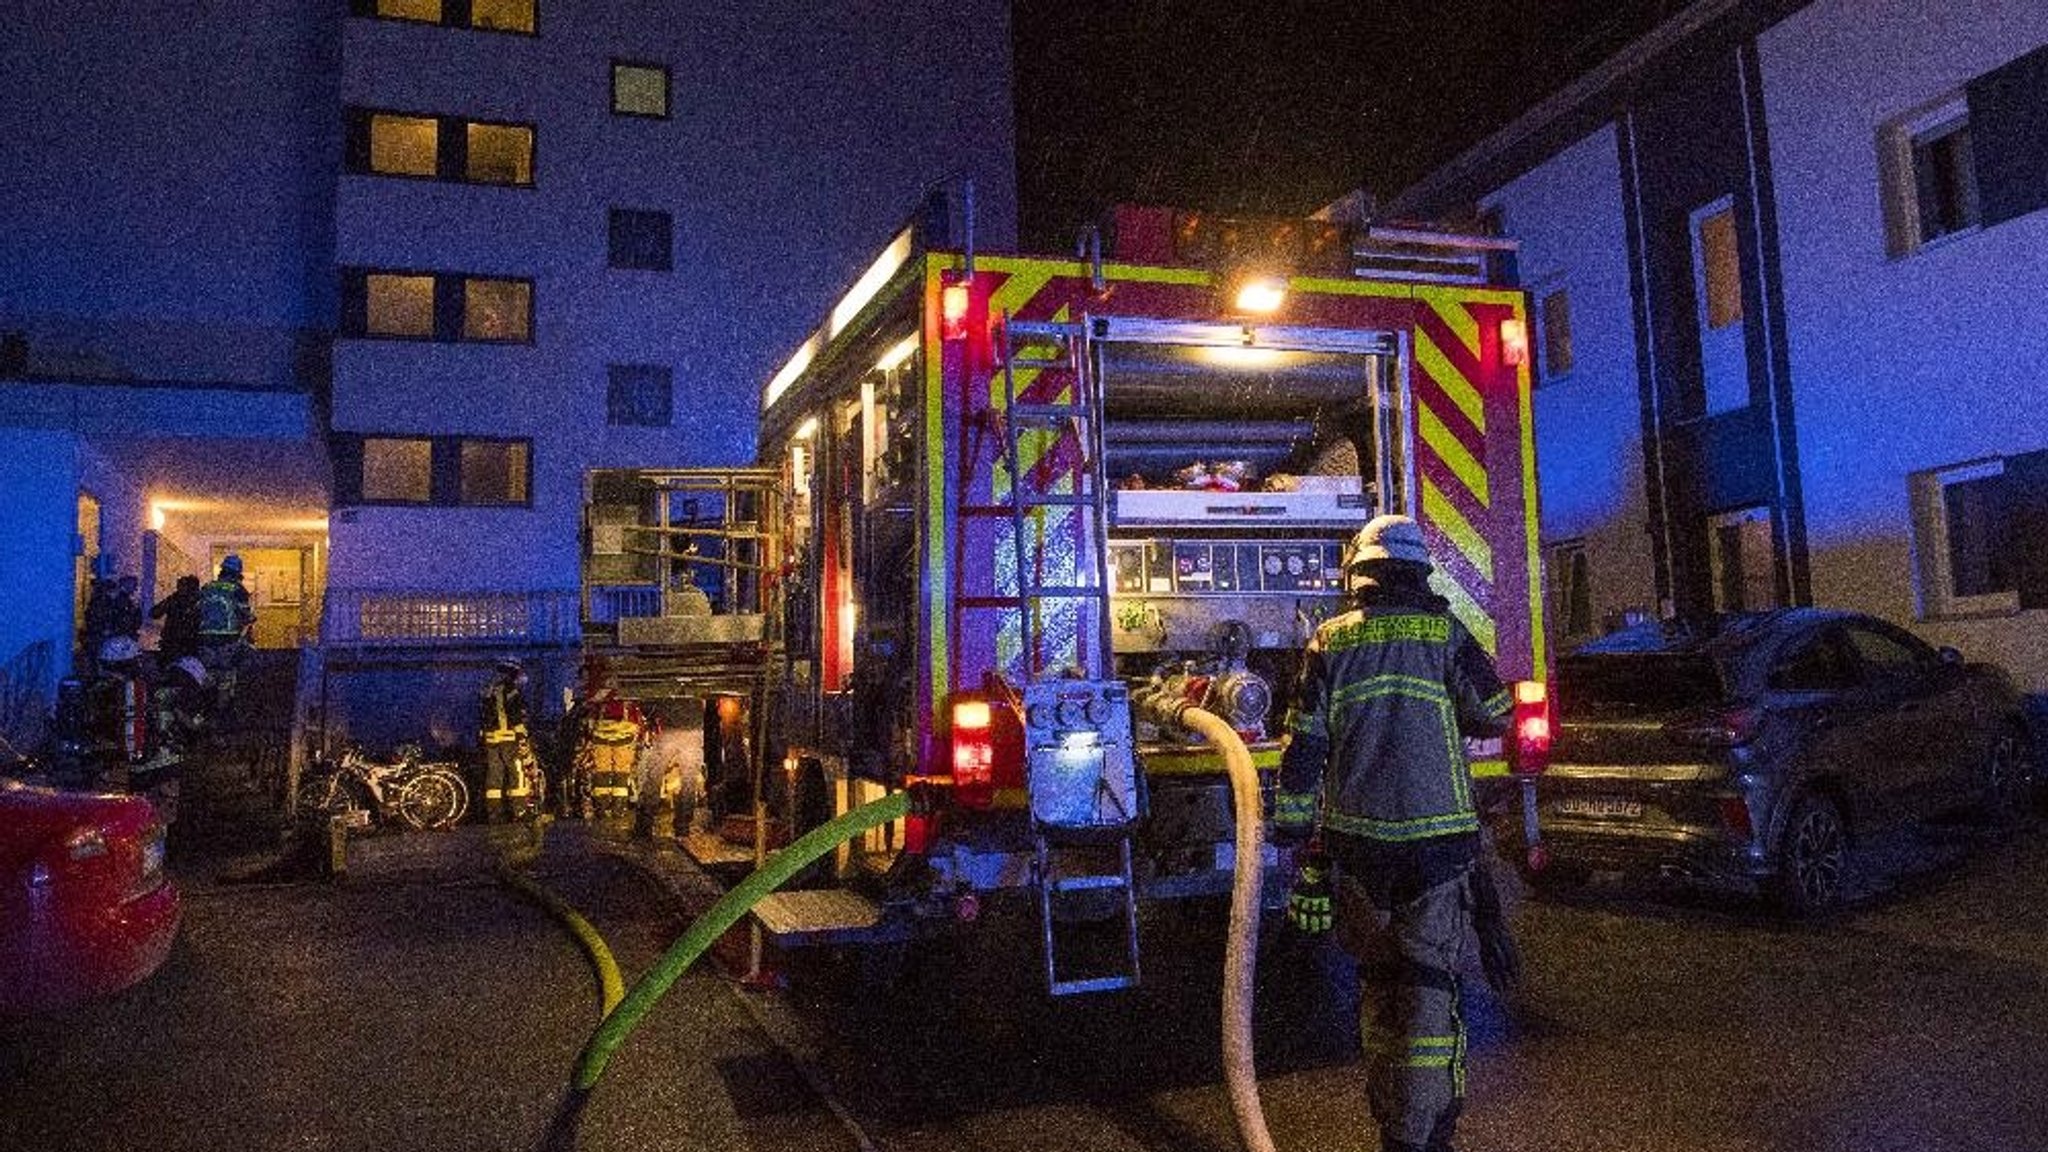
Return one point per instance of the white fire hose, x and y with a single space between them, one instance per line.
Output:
1240 958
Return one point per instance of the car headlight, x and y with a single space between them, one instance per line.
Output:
86 843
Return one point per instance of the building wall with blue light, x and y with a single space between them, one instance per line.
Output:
1910 361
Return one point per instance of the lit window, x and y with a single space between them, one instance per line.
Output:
1962 526
397 471
500 154
639 89
494 471
1930 176
1720 267
502 15
1556 312
404 145
428 11
641 395
398 304
497 309
641 240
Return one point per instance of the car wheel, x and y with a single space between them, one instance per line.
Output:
1813 858
2008 780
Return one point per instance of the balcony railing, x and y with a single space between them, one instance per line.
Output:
396 618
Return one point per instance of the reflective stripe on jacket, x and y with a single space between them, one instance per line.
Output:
1376 735
616 722
504 714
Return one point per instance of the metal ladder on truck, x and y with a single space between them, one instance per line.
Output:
1080 772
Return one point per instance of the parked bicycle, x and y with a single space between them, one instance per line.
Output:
409 792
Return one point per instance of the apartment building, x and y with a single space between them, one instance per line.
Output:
1781 257
488 245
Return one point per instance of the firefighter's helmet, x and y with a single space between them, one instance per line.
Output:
231 567
1384 538
119 650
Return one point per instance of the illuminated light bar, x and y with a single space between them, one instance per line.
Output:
870 282
799 361
953 301
899 352
1514 342
1261 294
971 714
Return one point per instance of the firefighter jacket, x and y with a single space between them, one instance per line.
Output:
1375 737
503 710
615 721
224 611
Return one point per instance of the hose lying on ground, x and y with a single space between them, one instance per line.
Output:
699 936
611 987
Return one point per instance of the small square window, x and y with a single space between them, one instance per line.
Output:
640 395
398 471
1964 539
502 15
1557 334
500 154
1928 170
398 305
494 471
639 89
497 309
404 145
641 240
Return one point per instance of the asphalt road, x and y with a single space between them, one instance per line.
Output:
422 1005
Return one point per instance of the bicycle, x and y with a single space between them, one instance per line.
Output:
416 794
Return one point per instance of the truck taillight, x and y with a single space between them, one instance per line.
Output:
1514 341
953 303
1529 750
974 753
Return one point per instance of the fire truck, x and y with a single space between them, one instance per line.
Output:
1004 505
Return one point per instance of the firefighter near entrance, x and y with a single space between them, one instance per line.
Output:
1374 758
613 734
508 794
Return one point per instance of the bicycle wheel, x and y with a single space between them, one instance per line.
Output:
455 781
428 800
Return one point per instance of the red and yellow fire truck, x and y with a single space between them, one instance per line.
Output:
1024 497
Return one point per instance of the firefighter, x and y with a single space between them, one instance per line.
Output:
179 634
224 621
613 731
1374 757
117 705
502 731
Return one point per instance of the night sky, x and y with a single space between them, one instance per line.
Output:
1276 107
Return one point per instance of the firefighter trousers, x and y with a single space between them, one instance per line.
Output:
611 774
1411 1018
506 793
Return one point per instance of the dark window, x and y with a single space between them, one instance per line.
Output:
639 89
1819 665
1974 513
1944 181
494 472
1887 656
447 148
444 306
1570 571
1557 334
640 395
1657 682
431 470
2008 109
490 15
641 240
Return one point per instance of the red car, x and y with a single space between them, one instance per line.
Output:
85 907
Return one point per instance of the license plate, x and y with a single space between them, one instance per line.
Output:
1603 807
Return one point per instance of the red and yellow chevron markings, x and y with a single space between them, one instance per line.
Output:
1450 426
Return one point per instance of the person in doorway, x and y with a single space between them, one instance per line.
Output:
1374 757
502 731
225 618
178 636
613 731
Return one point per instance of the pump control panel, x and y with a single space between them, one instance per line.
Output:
1079 766
1226 567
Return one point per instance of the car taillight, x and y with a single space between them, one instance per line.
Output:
1729 729
1529 749
974 753
86 843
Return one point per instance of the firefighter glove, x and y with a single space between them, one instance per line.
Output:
1309 904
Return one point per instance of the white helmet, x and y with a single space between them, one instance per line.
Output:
1383 538
119 650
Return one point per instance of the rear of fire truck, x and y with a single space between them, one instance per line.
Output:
1031 500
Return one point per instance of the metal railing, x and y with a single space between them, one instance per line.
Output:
396 618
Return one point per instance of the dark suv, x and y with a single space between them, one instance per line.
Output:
1750 750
